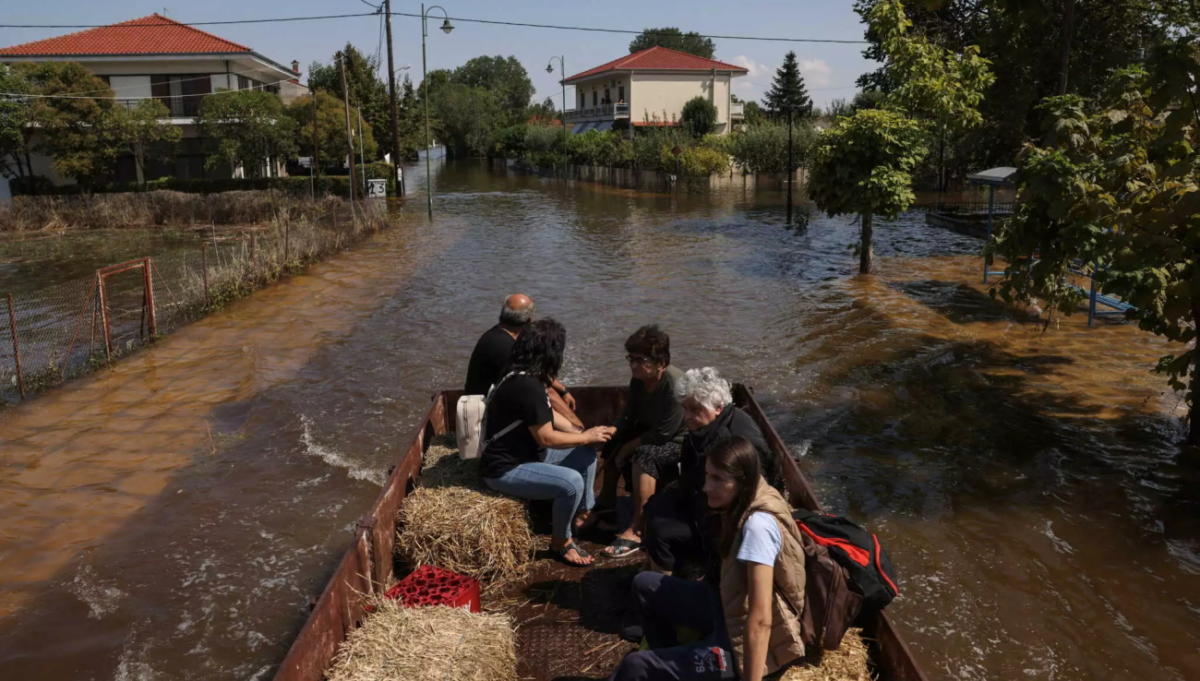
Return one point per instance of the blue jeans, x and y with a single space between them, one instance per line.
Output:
667 605
568 476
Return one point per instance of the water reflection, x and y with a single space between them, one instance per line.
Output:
1024 478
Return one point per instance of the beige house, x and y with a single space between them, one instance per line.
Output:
156 57
649 88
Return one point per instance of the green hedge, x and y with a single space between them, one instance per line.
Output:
548 146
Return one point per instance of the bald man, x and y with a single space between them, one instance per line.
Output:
489 360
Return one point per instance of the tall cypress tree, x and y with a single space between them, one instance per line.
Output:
787 91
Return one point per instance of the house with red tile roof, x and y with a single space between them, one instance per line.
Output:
157 57
649 88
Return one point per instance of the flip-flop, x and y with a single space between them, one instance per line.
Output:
561 554
622 547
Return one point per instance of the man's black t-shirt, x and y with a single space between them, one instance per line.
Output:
521 397
489 360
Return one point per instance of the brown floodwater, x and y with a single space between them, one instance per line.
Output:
171 518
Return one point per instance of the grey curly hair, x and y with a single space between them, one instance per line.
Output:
705 386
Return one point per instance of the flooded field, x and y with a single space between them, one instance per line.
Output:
173 517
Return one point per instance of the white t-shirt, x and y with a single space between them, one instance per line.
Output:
761 539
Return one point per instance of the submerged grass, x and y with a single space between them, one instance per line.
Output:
203 267
145 209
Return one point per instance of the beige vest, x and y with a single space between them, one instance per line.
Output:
785 643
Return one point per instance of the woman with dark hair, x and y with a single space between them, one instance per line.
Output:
749 626
524 456
646 447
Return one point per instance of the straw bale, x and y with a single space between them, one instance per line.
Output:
452 521
442 467
427 644
847 663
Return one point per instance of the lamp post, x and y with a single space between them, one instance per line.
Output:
446 28
562 71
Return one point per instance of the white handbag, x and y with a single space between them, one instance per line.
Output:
469 423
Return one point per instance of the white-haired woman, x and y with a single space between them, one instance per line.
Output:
675 514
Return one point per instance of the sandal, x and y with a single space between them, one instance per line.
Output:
561 554
622 547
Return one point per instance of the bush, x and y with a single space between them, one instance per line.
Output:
698 117
596 148
510 142
703 161
764 148
545 146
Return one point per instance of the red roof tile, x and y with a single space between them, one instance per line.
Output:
659 59
154 34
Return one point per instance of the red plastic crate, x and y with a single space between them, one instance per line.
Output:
429 585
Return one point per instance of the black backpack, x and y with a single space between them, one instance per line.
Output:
855 549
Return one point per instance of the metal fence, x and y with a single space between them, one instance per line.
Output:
69 329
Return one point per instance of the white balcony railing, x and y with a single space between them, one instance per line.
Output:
603 112
737 109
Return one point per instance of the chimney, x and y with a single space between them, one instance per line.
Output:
295 67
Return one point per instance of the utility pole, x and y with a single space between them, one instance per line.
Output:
362 156
387 21
425 97
349 130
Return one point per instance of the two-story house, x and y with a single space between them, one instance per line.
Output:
649 88
156 57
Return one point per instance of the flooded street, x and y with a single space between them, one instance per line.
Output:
171 518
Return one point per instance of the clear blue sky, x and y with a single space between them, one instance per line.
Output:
829 70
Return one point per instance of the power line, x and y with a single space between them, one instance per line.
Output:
593 29
494 22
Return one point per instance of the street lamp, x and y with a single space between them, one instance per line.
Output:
446 28
562 71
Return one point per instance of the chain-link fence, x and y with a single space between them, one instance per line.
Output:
65 330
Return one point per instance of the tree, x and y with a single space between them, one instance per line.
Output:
787 93
145 132
941 87
331 127
15 116
1026 41
545 112
671 37
754 114
698 117
468 117
411 118
368 91
246 128
864 165
1115 187
76 132
502 76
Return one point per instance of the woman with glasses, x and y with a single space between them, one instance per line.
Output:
646 447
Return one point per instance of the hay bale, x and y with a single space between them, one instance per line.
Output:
452 521
426 644
441 467
847 663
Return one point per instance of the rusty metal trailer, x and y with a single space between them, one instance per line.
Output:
368 565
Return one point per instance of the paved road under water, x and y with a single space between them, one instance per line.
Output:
171 518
